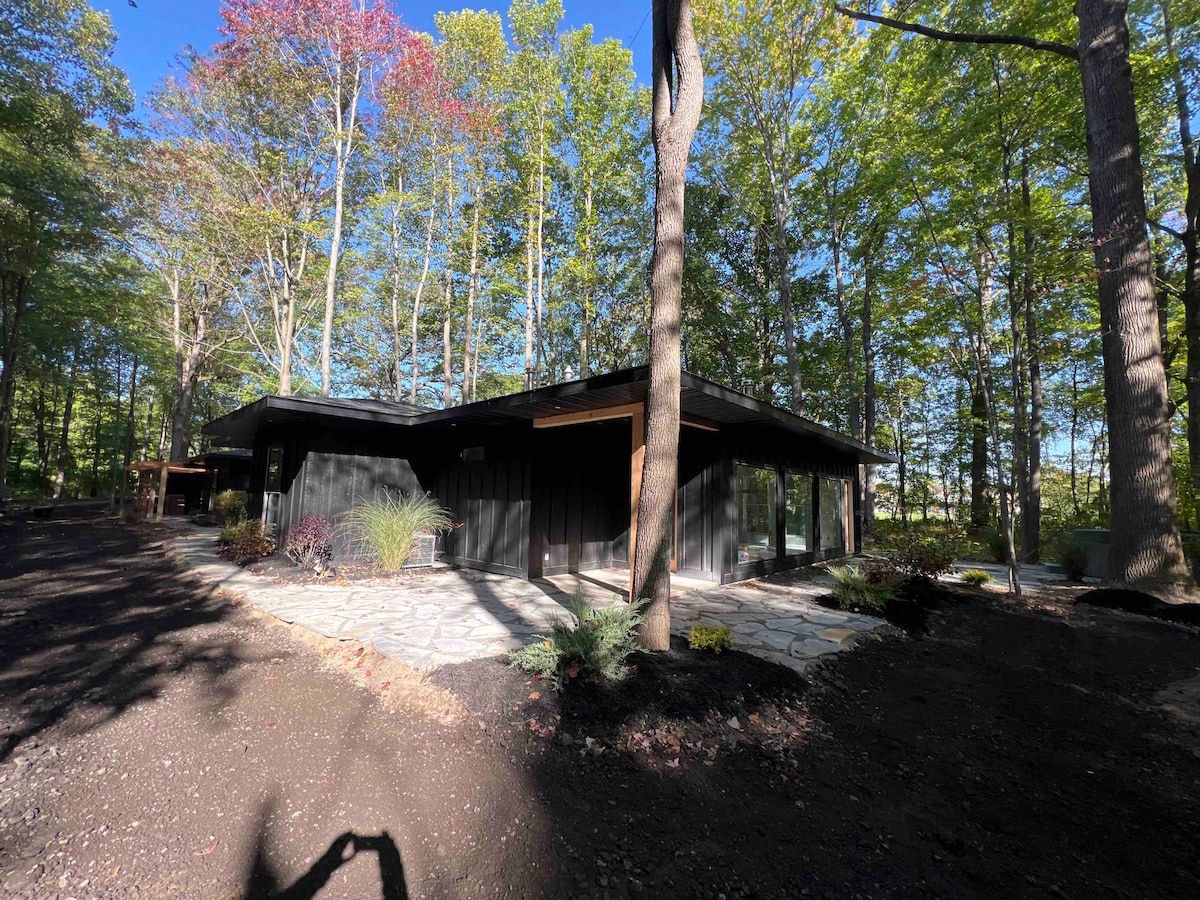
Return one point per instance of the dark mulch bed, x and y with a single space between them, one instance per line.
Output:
278 567
1142 604
1005 750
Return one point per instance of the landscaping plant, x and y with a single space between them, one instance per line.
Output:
593 646
854 587
385 528
924 558
230 507
1073 557
976 577
310 543
246 539
710 637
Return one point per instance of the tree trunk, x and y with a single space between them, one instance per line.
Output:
868 344
14 301
1191 253
847 325
471 280
979 451
1144 544
783 271
447 379
678 95
414 334
1031 511
529 229
64 443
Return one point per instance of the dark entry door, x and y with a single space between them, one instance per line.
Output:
581 496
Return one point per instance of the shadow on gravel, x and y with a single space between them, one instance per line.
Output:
93 620
263 882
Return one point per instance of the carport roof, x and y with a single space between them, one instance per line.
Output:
699 398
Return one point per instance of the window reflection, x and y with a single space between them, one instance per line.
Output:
756 513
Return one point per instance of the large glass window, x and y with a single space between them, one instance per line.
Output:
798 518
272 487
756 513
833 513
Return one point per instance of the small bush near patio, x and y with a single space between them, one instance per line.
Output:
924 557
1073 557
230 507
593 647
309 543
976 577
246 539
710 637
998 545
386 528
853 587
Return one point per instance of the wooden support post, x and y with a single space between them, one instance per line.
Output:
637 460
160 502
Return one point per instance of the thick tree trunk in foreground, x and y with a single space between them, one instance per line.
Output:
678 96
1144 544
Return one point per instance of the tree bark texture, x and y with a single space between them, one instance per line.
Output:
1144 544
678 95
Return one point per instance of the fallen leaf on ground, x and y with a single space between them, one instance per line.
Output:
271 678
209 849
536 695
573 672
753 717
270 724
383 685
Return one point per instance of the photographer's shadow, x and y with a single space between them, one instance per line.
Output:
263 882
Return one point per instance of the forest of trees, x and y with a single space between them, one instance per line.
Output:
886 232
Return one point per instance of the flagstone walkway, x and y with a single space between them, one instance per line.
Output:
430 618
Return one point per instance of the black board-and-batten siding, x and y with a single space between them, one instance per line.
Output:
531 502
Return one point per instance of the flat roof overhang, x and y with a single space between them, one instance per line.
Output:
701 400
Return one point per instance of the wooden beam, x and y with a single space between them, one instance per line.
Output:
637 462
697 422
590 415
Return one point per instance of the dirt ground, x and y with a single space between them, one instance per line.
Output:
156 741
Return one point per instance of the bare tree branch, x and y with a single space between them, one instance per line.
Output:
961 37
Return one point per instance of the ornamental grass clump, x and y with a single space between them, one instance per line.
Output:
854 587
385 529
310 543
594 646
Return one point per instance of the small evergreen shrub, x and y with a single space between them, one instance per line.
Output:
710 637
1073 557
385 527
976 577
230 506
310 543
853 587
245 539
593 646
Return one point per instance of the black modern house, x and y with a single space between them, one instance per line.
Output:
547 481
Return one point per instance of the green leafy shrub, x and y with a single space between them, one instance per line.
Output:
854 587
923 556
245 539
309 543
976 577
710 637
1073 557
386 528
230 506
595 645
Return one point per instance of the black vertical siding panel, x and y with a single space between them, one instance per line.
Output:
514 538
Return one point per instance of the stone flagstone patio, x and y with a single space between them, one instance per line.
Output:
430 618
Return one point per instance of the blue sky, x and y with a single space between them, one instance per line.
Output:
153 32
